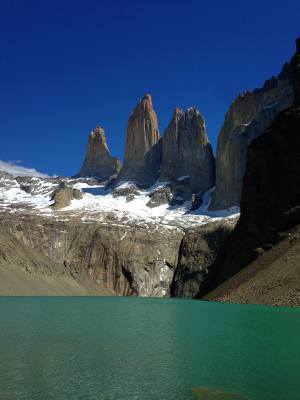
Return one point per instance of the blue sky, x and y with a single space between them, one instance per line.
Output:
66 66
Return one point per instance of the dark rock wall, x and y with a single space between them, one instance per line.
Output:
198 251
271 192
249 115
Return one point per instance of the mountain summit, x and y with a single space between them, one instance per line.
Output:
186 150
142 134
98 161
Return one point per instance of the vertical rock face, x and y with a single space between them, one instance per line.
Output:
270 203
98 161
148 173
198 250
127 260
186 150
249 115
296 73
142 134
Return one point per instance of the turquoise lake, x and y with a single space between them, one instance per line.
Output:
114 348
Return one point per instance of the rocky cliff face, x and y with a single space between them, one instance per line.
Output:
249 115
25 271
127 260
270 202
186 151
198 251
296 73
64 236
142 134
98 161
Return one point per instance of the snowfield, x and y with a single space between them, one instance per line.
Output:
100 204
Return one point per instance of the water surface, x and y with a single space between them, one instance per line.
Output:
133 348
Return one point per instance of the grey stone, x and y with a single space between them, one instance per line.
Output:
197 200
186 151
159 196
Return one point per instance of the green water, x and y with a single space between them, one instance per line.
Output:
130 348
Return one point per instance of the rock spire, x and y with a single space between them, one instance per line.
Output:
186 150
142 134
98 161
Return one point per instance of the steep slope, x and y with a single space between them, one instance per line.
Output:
273 278
247 118
270 202
98 161
186 151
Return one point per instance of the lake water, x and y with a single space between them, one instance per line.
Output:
134 348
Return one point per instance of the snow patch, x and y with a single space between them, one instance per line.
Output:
99 204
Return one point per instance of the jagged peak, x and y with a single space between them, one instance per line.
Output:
189 112
146 97
178 112
193 111
97 130
144 104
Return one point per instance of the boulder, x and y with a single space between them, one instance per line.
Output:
63 195
161 195
130 192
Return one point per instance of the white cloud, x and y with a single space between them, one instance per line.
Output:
15 169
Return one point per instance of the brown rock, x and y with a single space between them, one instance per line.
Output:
142 134
98 161
63 195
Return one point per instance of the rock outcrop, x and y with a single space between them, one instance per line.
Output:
98 161
249 115
63 195
270 202
186 151
142 134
